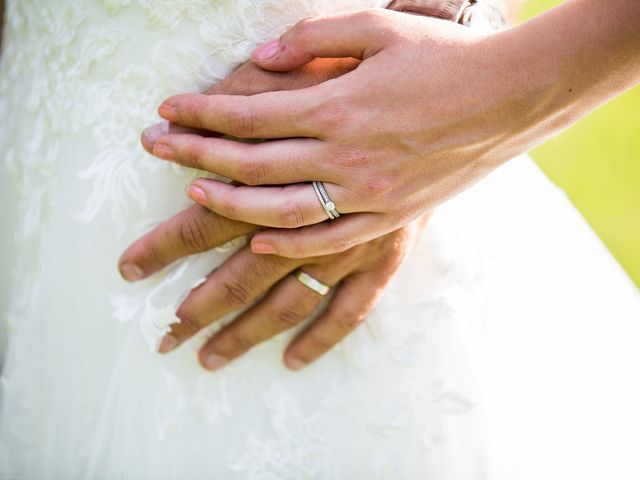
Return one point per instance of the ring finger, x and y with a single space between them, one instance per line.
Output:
291 206
287 305
238 282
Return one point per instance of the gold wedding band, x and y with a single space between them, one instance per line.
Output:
312 283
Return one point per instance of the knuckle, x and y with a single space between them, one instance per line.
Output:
239 341
318 343
234 294
250 170
158 253
293 248
228 205
378 186
242 122
349 320
287 316
342 244
190 322
302 29
349 158
404 214
193 112
291 215
334 116
195 154
369 16
351 256
193 236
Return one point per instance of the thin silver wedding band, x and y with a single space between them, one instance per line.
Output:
312 283
328 206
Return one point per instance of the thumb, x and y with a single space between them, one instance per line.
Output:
359 35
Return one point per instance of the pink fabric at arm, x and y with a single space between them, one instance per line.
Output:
445 9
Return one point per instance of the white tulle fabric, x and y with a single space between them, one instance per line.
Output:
506 347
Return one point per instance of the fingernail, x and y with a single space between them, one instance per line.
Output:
296 364
214 361
163 151
168 112
196 193
131 272
266 51
154 132
168 343
262 248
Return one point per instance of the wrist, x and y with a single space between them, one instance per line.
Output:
569 61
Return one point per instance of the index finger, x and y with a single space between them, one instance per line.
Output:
194 230
267 115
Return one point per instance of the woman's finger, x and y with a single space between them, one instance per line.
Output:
194 230
289 206
235 284
266 115
266 163
288 304
324 238
356 296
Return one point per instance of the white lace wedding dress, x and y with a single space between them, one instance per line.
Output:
507 347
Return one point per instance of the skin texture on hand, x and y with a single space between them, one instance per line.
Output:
389 140
431 110
359 274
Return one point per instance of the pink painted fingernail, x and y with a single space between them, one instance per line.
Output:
168 343
131 272
154 132
266 51
168 112
163 151
213 361
296 364
262 248
197 194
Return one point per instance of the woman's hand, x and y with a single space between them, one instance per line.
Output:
358 276
404 131
196 230
431 109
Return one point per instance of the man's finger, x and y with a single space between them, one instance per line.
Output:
194 230
267 115
288 304
235 284
151 134
289 206
359 35
265 163
249 79
324 238
353 301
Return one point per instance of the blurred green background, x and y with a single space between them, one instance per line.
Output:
597 162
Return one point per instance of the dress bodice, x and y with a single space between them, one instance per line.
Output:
89 75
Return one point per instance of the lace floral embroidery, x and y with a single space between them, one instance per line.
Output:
47 63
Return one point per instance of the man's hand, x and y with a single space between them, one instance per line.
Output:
360 275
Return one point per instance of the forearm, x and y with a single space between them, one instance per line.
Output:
574 58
